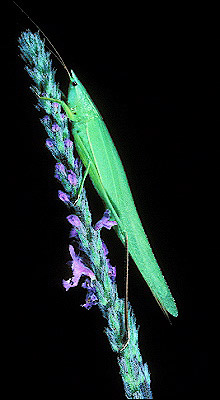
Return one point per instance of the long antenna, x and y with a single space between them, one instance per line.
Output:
55 53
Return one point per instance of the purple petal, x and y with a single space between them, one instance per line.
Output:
49 143
79 268
111 271
105 222
72 251
72 178
109 224
68 284
60 168
55 106
55 128
63 196
91 300
68 143
73 233
86 284
76 163
74 220
104 248
46 119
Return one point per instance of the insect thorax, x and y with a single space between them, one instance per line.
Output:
81 104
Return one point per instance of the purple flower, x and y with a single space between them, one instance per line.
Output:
73 233
74 220
63 196
104 248
105 221
55 128
49 143
76 163
72 178
63 116
59 169
46 119
76 223
111 269
67 284
68 143
78 269
91 298
55 106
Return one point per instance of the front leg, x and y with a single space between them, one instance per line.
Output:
82 183
66 108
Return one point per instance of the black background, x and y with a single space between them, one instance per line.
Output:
155 89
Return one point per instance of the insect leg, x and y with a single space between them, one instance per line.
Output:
66 108
82 183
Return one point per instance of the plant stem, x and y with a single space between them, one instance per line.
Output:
101 285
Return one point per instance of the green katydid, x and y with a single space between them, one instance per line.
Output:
102 162
100 157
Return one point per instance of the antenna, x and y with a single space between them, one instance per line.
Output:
55 52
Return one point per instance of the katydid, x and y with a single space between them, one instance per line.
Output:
102 162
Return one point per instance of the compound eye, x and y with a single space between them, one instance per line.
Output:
74 83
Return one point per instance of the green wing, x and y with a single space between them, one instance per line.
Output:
93 142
